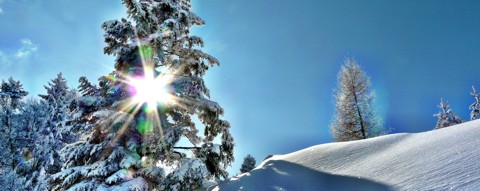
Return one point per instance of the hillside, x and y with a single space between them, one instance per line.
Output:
444 159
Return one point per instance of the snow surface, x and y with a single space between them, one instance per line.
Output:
443 159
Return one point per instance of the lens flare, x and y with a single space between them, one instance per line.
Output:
151 91
145 127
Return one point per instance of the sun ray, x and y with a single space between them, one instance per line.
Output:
155 116
126 123
159 125
126 107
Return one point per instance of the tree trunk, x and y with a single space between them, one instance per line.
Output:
362 126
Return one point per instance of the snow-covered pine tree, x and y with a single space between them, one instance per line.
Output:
475 107
10 180
90 100
57 101
11 94
53 132
33 120
354 109
446 117
135 146
248 164
86 88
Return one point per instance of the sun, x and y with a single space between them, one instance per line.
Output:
151 90
148 92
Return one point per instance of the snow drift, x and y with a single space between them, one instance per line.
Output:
444 159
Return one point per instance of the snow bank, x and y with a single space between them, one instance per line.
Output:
444 159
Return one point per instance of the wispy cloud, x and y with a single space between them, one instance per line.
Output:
22 55
27 49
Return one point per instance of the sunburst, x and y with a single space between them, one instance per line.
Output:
151 90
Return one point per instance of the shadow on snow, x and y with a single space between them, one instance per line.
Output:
282 175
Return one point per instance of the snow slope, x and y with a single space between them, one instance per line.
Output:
444 159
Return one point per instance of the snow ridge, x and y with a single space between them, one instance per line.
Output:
443 159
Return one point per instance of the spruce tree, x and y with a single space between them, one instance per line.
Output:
475 107
134 145
52 132
248 164
354 110
11 94
57 100
446 117
33 120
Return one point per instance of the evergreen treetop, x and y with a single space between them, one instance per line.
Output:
12 92
446 117
248 164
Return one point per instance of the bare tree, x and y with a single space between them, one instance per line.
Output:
355 116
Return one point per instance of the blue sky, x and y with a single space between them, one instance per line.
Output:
279 59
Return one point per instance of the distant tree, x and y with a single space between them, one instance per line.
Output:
248 164
475 107
354 110
134 146
446 117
